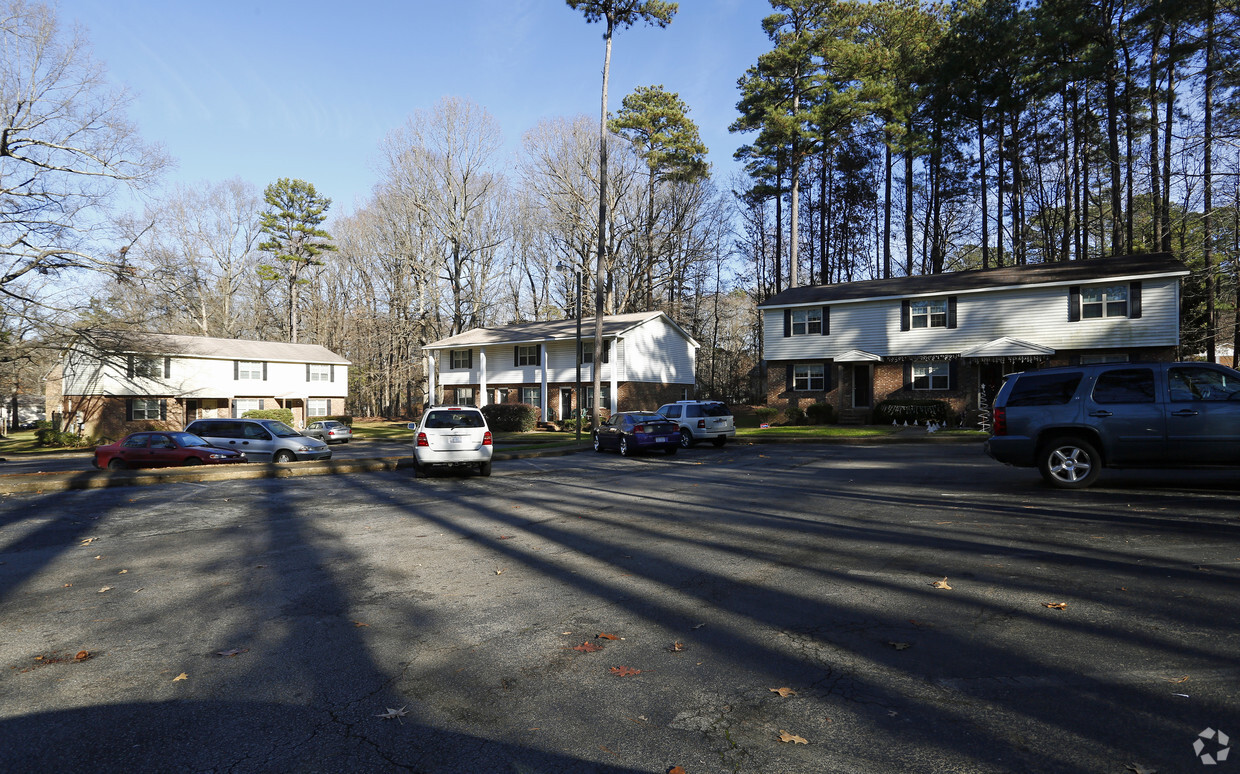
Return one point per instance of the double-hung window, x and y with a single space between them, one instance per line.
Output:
1109 301
462 358
809 377
318 372
532 396
250 369
807 321
526 355
317 407
931 376
928 313
144 409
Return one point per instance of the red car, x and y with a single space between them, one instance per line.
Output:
161 450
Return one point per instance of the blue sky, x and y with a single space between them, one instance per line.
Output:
263 90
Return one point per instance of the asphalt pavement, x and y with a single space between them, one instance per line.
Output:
776 608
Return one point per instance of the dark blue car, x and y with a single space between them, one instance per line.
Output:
634 431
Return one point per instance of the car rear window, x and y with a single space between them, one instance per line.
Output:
716 410
1044 389
446 420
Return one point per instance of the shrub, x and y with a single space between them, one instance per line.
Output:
46 436
795 415
765 413
908 410
821 413
511 417
282 414
343 419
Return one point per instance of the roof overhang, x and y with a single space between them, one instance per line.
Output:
858 356
1008 347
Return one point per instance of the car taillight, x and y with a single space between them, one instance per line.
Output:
701 424
486 438
1000 421
422 440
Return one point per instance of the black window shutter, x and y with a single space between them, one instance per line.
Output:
516 356
470 357
787 323
167 367
826 321
606 351
129 409
951 311
129 367
908 373
1074 303
906 316
331 372
264 370
538 355
163 411
307 372
788 384
826 376
1134 300
236 370
953 375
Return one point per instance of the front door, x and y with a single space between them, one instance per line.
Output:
566 403
861 386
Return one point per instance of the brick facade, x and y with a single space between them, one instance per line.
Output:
633 396
105 416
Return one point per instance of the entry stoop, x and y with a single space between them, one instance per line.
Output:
854 417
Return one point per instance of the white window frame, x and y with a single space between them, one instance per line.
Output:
927 313
145 409
527 355
460 358
933 375
466 396
318 407
1102 301
532 392
806 322
250 369
242 405
809 377
148 367
320 372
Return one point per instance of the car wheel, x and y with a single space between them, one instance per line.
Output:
191 461
672 449
484 468
598 443
625 449
116 463
418 472
282 456
720 441
686 439
1070 463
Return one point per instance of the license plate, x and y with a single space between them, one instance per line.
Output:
455 439
663 438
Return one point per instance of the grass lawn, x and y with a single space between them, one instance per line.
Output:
23 442
817 431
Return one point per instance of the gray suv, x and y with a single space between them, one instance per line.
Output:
262 440
1071 422
701 420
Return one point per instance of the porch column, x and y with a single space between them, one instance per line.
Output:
613 368
543 359
482 377
430 377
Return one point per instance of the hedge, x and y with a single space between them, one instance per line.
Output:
907 410
344 419
820 413
511 417
282 414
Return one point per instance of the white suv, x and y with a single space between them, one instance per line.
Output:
452 435
701 420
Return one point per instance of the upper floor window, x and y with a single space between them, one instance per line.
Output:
587 351
525 355
1109 301
318 372
461 358
145 366
925 313
250 369
806 321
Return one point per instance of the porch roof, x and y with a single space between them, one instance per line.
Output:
858 356
1007 346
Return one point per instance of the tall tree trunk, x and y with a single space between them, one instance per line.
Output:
794 173
999 190
1207 236
779 226
908 203
600 273
1169 110
981 172
825 270
1129 141
1155 184
1069 182
1112 105
887 204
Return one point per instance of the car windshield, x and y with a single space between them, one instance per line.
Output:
281 430
186 440
448 420
716 410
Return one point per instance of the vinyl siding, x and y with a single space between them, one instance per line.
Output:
1036 315
656 352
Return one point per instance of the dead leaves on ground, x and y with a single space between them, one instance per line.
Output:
588 647
605 636
623 671
784 736
784 692
941 584
231 652
180 677
1056 605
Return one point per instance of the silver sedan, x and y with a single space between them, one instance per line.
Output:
329 431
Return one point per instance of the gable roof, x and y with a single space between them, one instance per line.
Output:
976 280
170 344
554 330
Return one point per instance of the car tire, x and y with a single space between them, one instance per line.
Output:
484 468
418 472
191 461
283 456
720 441
686 439
671 450
1069 462
116 463
625 449
598 444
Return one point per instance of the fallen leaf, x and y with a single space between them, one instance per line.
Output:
1139 769
105 588
605 636
676 770
624 671
505 537
784 692
359 624
900 645
394 714
67 585
499 570
588 647
784 736
181 676
677 647
941 584
82 655
88 541
122 572
97 558
1183 679
232 652
699 626
1056 605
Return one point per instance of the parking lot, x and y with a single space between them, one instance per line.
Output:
774 608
